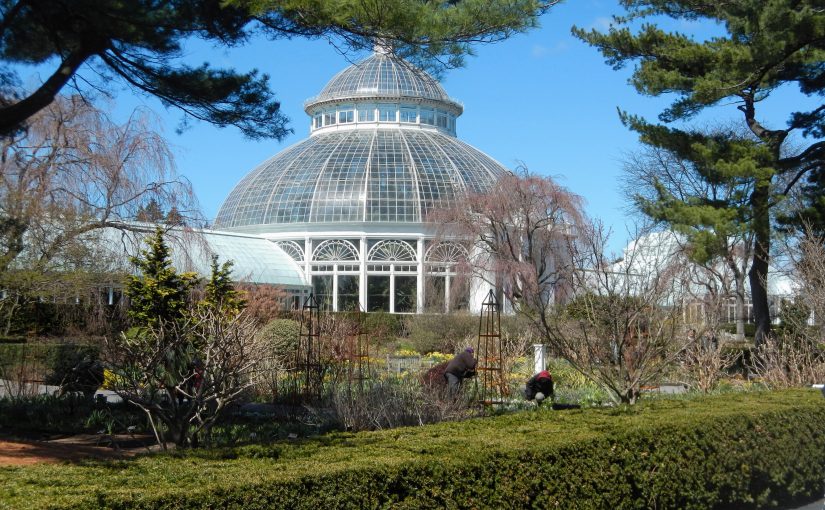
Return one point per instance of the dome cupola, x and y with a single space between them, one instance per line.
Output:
382 149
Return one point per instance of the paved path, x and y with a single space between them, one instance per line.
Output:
816 505
11 388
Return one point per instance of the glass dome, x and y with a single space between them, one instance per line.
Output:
382 150
376 175
381 75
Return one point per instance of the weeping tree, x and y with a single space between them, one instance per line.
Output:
617 323
72 178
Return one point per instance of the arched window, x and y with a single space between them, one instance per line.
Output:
392 280
443 290
334 251
391 251
293 249
335 279
445 253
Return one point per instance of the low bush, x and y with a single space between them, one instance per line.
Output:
382 327
73 367
66 414
730 327
740 450
441 332
281 339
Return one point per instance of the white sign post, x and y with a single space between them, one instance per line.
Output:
539 357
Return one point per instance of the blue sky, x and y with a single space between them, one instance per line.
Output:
543 98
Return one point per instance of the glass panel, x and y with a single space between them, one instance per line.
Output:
322 287
434 289
347 293
366 114
427 117
346 116
408 115
459 293
378 293
387 113
329 118
405 293
442 121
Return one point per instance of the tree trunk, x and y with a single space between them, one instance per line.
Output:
758 274
741 314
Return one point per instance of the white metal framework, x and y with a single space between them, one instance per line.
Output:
350 203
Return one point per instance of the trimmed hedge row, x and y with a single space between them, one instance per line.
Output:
750 450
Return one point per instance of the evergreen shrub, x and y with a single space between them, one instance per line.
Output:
281 336
740 450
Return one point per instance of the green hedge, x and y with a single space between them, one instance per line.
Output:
742 450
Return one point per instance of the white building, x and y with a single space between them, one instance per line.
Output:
350 203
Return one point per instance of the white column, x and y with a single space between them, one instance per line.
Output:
335 288
539 358
419 291
392 288
447 279
362 277
111 295
307 268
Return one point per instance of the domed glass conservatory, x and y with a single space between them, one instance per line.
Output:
349 204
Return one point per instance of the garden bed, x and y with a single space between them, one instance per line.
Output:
741 450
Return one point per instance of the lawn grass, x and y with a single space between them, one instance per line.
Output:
411 467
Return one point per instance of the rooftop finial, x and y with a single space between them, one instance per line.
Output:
382 46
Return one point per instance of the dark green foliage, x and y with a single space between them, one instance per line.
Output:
219 291
141 42
793 318
158 293
75 368
65 414
767 45
753 450
750 328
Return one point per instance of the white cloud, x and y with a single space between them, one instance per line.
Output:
601 23
541 51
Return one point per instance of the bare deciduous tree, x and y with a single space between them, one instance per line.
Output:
718 241
183 395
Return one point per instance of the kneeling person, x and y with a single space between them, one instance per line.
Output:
539 387
461 367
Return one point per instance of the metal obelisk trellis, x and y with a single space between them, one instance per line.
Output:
358 354
490 382
309 351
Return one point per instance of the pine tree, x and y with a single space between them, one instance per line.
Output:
768 44
141 43
151 212
219 291
158 294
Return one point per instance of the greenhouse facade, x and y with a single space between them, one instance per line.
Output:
350 204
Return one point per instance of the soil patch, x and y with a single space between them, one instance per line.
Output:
14 452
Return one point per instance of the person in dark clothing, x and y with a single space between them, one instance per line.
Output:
539 387
462 366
